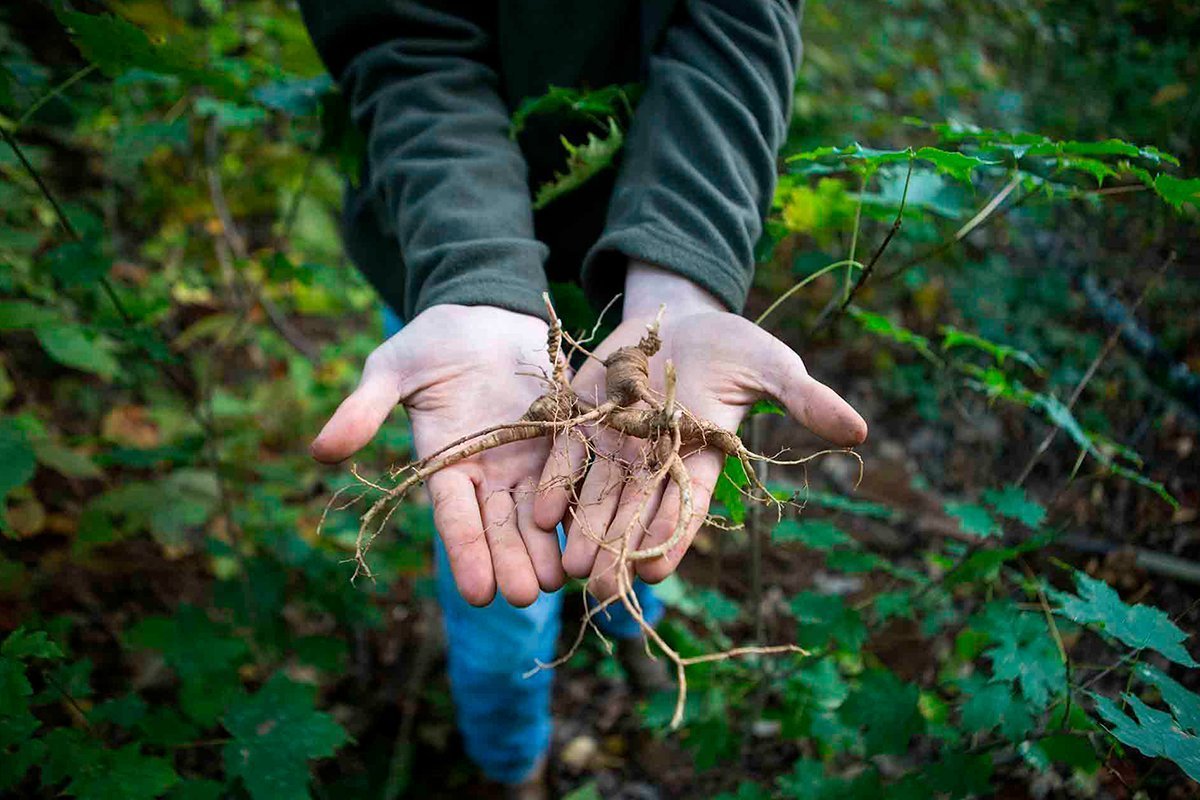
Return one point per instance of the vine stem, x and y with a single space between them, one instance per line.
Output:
807 280
55 92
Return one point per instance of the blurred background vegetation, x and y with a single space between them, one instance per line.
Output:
178 319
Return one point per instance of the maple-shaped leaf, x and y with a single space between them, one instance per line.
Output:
22 644
885 707
1138 626
275 733
822 617
992 704
1155 733
1023 652
1013 502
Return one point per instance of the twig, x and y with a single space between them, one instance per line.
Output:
826 317
987 214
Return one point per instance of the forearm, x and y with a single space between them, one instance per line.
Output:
444 177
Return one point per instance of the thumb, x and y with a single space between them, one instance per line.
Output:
360 415
818 407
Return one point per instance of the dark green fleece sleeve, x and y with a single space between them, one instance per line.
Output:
421 81
700 159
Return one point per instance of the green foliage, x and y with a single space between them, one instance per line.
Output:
584 162
275 733
1137 626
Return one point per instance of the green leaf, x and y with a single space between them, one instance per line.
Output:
886 707
728 491
1013 502
819 534
1184 703
822 618
992 704
17 461
124 712
957 165
300 97
1023 651
190 642
893 604
17 315
587 791
15 689
96 773
118 46
168 508
64 460
78 263
766 407
584 162
1138 626
1178 191
1154 733
75 346
22 644
973 519
839 502
276 732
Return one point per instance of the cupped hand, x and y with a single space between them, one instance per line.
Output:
458 369
723 363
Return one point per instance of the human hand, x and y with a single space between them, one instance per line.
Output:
723 364
458 369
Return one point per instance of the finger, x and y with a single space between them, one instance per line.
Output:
703 470
563 469
815 405
456 517
514 572
639 502
540 542
359 416
598 498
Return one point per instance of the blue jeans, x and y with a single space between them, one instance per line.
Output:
503 716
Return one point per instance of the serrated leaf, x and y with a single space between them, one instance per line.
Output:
22 644
992 704
1178 191
957 165
1023 652
78 263
819 534
821 618
885 707
1185 705
1137 626
1154 733
584 162
973 519
299 97
1013 502
276 732
893 604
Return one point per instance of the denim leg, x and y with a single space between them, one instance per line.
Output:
615 620
503 716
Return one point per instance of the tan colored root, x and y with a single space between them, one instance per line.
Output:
632 410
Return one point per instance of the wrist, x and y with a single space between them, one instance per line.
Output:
648 287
